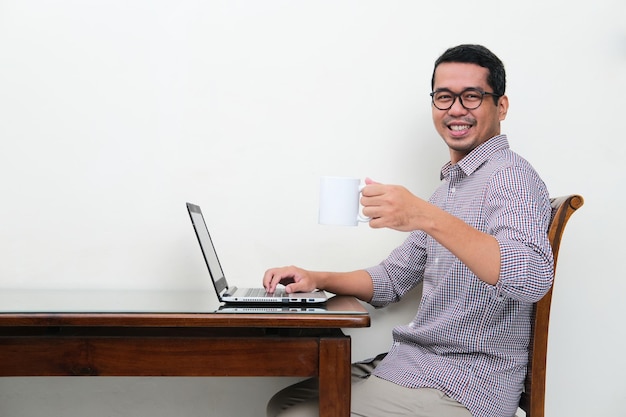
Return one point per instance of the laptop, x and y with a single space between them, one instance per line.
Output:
231 294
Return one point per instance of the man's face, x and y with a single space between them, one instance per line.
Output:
462 129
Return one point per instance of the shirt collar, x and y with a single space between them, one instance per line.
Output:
473 160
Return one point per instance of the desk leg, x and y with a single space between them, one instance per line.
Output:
334 376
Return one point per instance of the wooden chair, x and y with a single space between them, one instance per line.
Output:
532 401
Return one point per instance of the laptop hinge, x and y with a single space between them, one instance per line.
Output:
229 291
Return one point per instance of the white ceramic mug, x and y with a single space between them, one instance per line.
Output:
339 201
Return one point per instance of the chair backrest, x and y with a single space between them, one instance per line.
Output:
533 397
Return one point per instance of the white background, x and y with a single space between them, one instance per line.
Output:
115 113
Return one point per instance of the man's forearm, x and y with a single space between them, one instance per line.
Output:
356 283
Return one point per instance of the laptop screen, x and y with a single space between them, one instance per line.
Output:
208 250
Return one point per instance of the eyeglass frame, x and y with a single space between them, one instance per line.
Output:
455 96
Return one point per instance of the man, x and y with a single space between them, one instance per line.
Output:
480 247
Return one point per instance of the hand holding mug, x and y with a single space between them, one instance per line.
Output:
395 207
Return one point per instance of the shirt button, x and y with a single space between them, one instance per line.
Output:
453 189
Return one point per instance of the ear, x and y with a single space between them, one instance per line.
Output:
503 107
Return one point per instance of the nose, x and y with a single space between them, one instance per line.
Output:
457 107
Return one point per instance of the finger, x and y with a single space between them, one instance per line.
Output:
376 223
293 287
373 189
298 286
267 279
366 191
271 279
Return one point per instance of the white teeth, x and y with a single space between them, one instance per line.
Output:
459 127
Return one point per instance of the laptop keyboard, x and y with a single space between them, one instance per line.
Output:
260 292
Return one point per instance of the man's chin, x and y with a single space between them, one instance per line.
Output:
459 143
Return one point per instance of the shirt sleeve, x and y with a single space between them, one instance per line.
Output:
400 272
518 214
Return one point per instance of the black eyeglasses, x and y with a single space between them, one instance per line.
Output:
470 98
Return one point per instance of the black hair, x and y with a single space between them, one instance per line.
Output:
479 55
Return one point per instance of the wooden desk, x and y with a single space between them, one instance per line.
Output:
188 344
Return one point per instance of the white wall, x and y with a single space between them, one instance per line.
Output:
114 113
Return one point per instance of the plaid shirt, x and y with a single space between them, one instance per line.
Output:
470 339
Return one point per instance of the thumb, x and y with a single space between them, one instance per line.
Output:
294 287
369 181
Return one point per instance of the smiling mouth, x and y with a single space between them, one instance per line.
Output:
459 128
